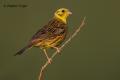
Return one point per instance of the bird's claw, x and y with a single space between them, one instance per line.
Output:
49 60
58 50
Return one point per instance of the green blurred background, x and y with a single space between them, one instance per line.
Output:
94 54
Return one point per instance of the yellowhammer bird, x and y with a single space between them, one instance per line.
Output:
51 35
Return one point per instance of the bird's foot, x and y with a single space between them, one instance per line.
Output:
58 50
49 60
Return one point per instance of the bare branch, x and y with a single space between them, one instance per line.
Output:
66 42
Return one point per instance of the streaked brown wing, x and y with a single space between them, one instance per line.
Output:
52 29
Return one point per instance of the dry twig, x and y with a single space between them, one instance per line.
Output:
66 42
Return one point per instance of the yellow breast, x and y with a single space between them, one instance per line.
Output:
50 42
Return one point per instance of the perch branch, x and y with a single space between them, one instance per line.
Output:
66 42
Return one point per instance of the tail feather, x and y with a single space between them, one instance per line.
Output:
22 50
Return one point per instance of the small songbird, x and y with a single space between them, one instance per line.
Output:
51 35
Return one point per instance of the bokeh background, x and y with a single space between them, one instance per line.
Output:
94 54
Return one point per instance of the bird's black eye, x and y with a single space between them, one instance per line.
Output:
63 10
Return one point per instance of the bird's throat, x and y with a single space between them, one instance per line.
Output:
63 18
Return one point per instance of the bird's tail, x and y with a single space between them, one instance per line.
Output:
23 49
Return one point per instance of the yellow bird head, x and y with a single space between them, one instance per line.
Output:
62 14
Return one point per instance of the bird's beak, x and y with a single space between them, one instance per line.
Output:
69 12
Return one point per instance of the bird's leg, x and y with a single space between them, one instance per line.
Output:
49 59
58 49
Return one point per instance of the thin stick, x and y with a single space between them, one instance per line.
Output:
66 42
